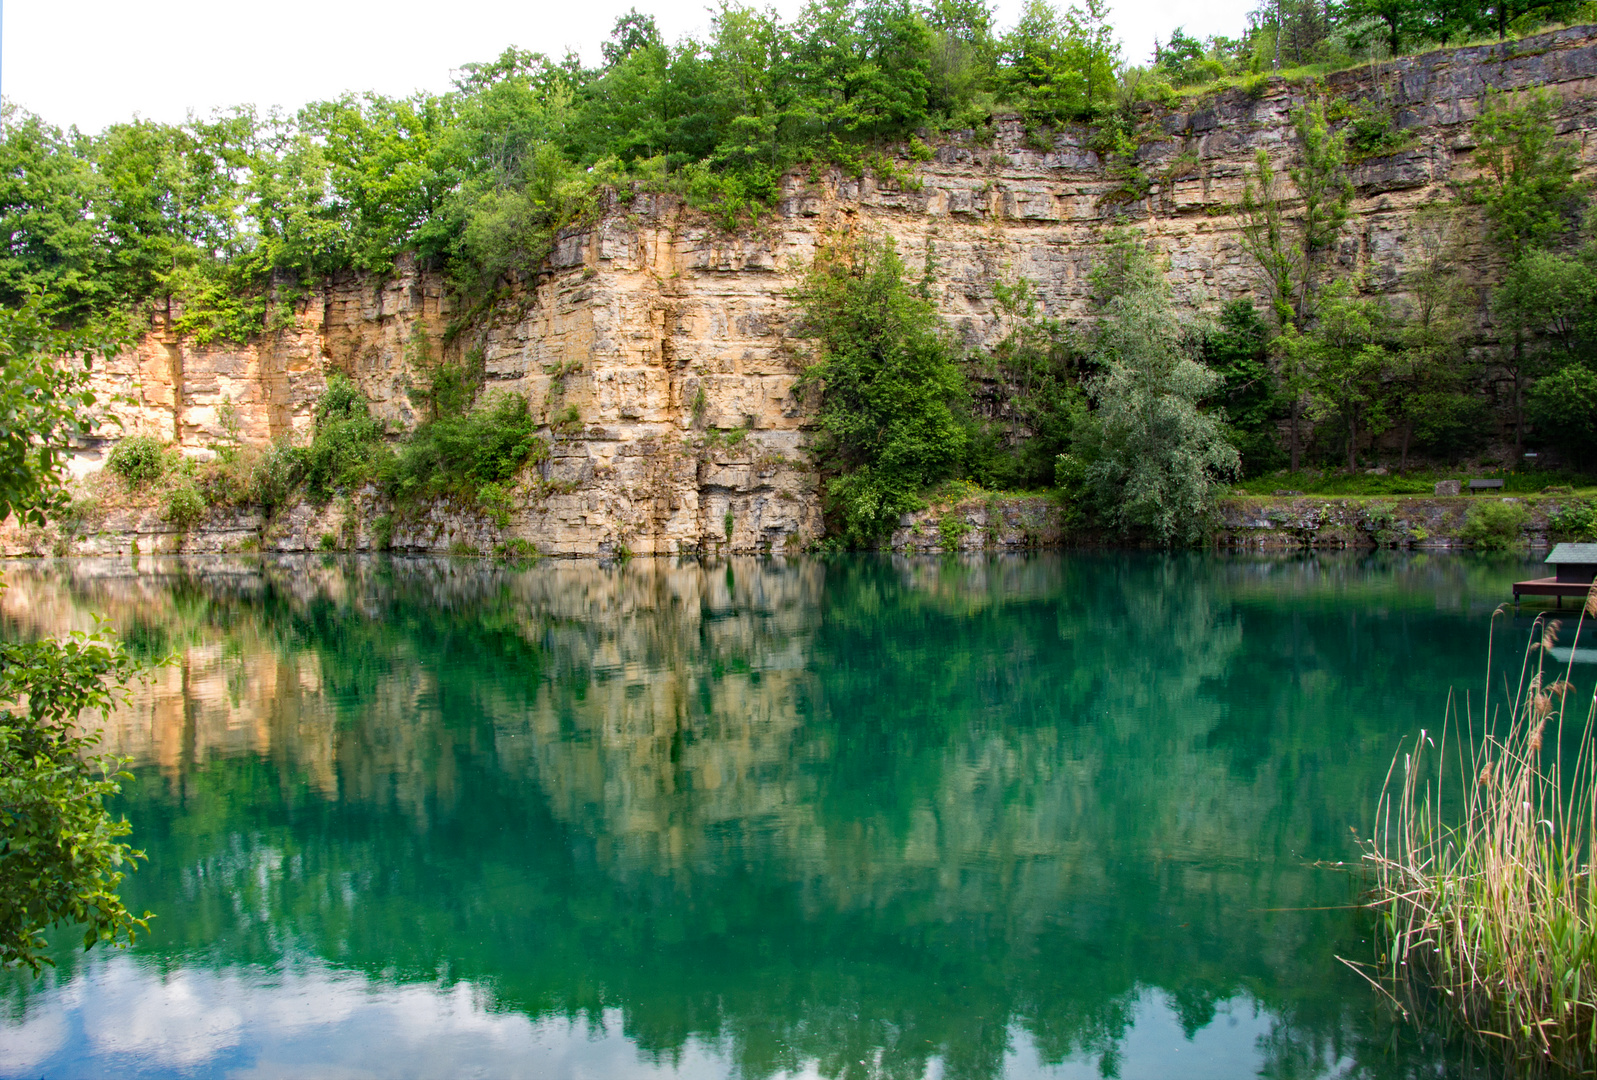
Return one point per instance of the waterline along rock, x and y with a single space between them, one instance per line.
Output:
660 352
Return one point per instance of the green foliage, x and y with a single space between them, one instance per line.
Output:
888 385
1450 424
1029 382
1575 520
1155 461
383 532
1235 348
47 190
1370 130
470 456
139 459
952 528
348 442
1494 524
1343 361
1550 299
184 505
1563 406
61 857
227 217
1060 65
1527 174
1288 233
447 389
45 403
275 474
518 549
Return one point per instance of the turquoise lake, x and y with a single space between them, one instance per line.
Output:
1061 815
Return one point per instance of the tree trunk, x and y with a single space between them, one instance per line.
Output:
1519 423
1297 442
1275 65
1352 443
1402 461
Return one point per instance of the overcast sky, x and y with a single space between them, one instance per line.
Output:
94 62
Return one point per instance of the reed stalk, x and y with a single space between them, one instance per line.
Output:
1490 900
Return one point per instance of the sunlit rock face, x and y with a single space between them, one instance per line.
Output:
640 335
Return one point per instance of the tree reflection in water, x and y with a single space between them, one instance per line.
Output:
870 817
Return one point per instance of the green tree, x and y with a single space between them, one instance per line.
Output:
61 852
964 56
347 444
1430 369
1543 310
1061 65
54 246
45 403
390 169
1563 406
1550 298
631 33
1237 349
1289 233
1400 22
887 382
1155 461
61 856
1345 361
1030 383
1527 173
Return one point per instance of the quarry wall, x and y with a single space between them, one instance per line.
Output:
647 337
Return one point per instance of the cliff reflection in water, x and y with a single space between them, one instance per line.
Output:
870 813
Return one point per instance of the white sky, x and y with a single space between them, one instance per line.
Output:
94 62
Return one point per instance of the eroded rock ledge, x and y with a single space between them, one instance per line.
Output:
663 333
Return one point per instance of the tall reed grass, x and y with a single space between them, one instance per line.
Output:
1482 853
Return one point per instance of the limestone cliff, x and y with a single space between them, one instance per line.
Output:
657 327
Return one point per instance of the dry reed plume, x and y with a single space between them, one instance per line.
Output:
1491 899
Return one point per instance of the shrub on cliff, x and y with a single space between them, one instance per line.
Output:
348 442
275 474
139 459
888 385
470 456
1494 525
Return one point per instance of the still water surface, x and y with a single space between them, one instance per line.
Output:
1061 815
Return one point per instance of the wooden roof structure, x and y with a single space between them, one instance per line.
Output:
1575 567
1573 555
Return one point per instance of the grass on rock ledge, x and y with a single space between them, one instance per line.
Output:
1337 483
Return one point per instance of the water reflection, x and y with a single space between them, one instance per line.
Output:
117 1017
863 818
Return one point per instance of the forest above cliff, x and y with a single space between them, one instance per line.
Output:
1381 266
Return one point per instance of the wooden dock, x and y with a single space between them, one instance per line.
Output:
1551 586
1577 568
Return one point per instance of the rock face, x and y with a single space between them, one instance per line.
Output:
661 351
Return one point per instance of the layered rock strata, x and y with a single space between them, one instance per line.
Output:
661 351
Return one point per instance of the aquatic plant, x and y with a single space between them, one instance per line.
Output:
1482 855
